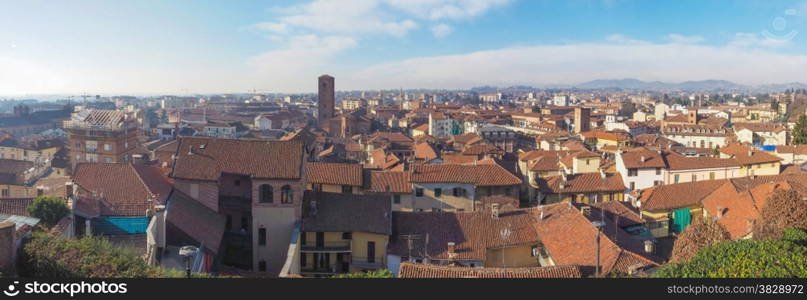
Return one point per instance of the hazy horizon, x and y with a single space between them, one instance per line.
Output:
184 47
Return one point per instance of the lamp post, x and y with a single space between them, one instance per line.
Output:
599 225
187 253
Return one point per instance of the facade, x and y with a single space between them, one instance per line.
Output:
106 136
256 185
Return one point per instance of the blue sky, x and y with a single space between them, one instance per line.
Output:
184 46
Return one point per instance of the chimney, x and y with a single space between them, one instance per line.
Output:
585 210
602 174
451 250
68 190
720 212
649 247
494 210
313 209
642 159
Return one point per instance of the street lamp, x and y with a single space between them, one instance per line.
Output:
187 253
599 225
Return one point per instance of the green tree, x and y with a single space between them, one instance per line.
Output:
744 259
783 209
703 232
799 132
50 210
370 274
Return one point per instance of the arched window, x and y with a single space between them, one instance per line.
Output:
286 195
265 194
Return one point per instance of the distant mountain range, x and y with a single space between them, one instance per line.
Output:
686 86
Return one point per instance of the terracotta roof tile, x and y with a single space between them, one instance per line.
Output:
346 213
389 182
480 175
679 195
206 158
118 189
582 183
471 232
412 270
334 173
196 220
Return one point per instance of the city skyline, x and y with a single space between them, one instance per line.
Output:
191 47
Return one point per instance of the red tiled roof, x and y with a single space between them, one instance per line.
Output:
412 270
118 189
480 175
571 239
582 183
206 158
347 213
389 182
425 151
333 173
643 158
679 195
15 206
196 220
746 155
471 232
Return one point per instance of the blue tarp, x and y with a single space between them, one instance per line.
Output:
119 225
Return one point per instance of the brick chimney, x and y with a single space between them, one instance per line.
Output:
494 210
452 253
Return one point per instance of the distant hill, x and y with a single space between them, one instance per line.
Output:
636 84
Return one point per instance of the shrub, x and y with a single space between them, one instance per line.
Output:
783 209
743 259
701 233
371 274
88 257
48 209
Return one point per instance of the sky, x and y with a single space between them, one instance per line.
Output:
206 46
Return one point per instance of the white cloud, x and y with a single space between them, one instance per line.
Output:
683 39
441 30
622 39
575 63
447 9
344 17
272 27
742 39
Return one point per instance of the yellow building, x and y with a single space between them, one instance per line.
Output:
582 188
752 162
343 233
671 208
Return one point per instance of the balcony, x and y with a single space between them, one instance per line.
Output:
331 247
365 263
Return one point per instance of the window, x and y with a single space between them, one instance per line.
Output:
676 177
244 223
694 177
438 192
5 193
507 191
396 199
303 261
237 182
108 160
418 192
633 172
286 195
265 194
229 225
658 171
711 175
262 266
316 186
262 236
107 147
632 185
347 236
303 238
347 189
658 182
